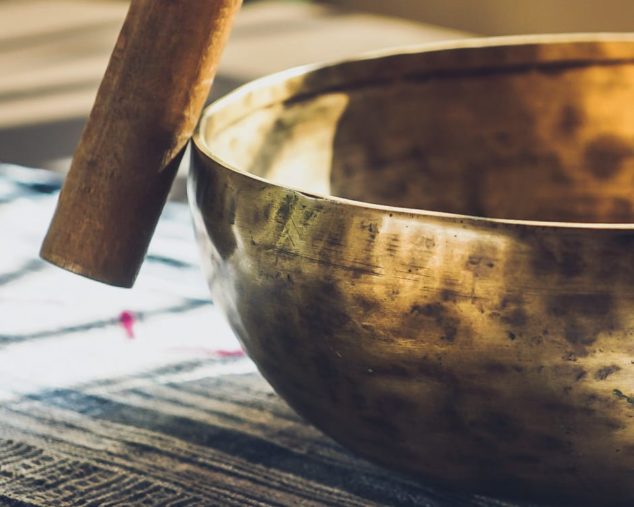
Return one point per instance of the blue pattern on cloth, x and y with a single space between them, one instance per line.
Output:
173 317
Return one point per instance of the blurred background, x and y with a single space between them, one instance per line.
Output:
54 52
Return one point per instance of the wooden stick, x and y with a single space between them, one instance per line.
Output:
146 109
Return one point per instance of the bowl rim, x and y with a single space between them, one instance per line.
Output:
198 138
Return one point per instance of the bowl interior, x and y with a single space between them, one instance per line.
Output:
540 131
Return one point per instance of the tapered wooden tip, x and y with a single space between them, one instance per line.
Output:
146 109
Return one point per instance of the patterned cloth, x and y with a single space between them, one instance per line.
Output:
143 396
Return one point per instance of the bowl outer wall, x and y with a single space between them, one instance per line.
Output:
491 355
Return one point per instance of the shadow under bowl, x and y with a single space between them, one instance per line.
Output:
429 253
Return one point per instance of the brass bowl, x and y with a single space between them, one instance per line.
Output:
429 254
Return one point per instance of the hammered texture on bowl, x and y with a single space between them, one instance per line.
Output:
430 255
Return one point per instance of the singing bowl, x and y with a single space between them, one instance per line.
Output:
429 254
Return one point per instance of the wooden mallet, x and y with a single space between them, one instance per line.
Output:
147 106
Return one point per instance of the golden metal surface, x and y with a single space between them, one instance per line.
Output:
488 354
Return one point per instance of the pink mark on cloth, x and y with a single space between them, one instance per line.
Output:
127 320
219 353
229 353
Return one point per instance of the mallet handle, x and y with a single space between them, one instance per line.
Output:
146 109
